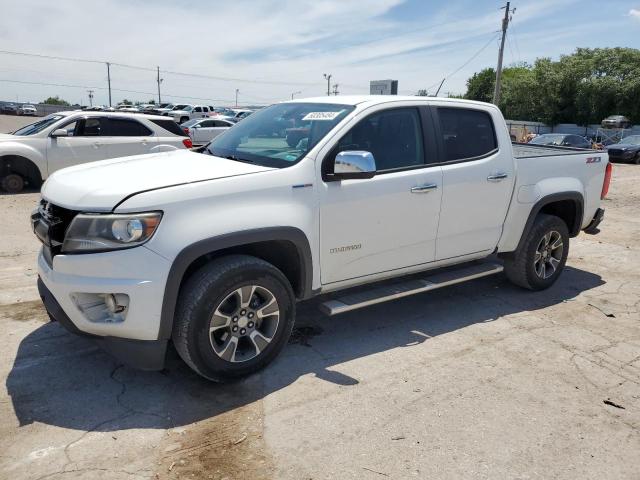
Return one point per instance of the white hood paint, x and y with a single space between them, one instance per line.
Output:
99 186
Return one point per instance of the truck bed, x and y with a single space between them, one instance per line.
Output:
527 150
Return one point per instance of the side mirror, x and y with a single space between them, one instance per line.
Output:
60 132
354 164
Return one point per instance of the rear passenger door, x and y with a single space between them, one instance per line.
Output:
126 137
477 177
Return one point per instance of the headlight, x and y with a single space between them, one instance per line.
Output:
99 233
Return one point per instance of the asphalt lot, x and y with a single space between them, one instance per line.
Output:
478 381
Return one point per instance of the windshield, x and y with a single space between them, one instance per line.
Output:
38 126
179 107
548 140
280 135
632 140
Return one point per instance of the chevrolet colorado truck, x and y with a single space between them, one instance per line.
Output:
383 197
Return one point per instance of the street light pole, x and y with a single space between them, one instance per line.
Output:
237 90
295 93
109 80
159 82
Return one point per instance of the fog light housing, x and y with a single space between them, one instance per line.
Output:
102 307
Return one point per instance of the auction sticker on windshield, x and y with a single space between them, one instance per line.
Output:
321 116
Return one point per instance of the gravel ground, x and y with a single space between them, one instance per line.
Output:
481 380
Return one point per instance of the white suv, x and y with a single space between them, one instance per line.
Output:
32 153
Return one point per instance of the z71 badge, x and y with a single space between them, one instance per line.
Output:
593 159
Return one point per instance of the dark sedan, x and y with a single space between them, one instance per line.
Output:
561 139
626 150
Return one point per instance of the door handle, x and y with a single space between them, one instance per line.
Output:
424 188
97 144
497 177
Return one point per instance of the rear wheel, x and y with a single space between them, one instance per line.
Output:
12 183
184 119
637 159
541 259
234 316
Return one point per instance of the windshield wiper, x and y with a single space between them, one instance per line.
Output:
237 159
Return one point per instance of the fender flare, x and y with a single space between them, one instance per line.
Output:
551 198
210 245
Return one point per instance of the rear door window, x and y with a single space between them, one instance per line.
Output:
124 127
466 133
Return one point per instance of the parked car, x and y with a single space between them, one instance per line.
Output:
626 150
213 249
34 152
223 111
163 107
616 121
9 109
561 139
183 113
204 130
27 109
127 108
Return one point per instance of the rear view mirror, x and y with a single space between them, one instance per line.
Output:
354 164
60 132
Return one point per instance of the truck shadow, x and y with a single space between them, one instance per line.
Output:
63 380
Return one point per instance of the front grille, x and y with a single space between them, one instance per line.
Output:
58 219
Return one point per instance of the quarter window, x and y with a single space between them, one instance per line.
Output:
466 133
394 137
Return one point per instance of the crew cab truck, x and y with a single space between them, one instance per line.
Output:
215 254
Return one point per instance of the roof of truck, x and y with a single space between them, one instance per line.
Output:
378 99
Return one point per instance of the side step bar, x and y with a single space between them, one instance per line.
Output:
385 293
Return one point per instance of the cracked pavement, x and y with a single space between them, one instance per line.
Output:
480 380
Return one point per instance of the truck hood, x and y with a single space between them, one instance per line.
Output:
100 186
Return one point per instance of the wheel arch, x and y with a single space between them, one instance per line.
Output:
287 248
21 165
569 206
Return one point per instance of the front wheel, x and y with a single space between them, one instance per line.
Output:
541 259
233 317
12 183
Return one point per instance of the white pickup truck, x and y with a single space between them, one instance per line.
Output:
32 153
213 255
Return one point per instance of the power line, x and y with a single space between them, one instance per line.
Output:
23 82
155 69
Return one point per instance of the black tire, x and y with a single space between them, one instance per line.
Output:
205 292
522 268
184 119
637 159
12 183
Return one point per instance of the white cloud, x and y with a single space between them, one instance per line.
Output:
635 13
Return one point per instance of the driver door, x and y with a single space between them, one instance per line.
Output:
390 221
83 143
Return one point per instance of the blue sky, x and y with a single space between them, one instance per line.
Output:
269 49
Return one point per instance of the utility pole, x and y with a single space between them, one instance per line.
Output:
237 91
441 83
335 89
109 80
294 93
505 25
159 82
90 92
328 78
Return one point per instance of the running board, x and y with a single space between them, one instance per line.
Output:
385 293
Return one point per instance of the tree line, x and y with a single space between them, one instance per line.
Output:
581 88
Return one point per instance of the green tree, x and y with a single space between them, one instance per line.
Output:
56 101
126 102
481 85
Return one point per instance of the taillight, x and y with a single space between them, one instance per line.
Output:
607 181
187 143
186 130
